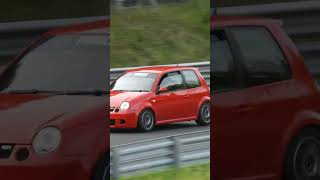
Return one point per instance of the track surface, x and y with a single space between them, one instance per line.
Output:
120 137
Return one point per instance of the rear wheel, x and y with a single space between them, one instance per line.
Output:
146 121
204 115
303 160
103 169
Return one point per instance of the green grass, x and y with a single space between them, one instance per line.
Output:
174 33
191 173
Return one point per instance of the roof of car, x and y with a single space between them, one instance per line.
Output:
81 27
222 21
160 69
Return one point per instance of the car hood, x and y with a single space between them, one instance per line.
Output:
117 97
21 116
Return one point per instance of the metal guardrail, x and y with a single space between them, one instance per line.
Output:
204 68
161 153
301 21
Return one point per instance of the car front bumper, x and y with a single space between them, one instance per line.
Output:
123 120
50 166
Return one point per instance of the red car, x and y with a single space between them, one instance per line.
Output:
266 103
53 100
143 98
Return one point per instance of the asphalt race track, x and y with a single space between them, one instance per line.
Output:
120 137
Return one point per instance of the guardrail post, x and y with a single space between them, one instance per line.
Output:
176 152
115 164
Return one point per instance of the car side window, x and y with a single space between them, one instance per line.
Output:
191 78
222 71
263 59
172 81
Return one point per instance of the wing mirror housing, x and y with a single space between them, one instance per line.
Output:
163 90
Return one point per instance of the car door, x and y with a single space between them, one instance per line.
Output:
194 92
226 85
254 132
266 68
170 105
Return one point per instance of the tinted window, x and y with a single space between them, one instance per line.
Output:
73 62
262 56
222 75
191 78
172 81
135 81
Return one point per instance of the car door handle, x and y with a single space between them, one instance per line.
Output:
186 96
244 109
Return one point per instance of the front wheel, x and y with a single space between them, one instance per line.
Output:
204 115
303 160
102 171
146 121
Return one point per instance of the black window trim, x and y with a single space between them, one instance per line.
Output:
161 78
243 70
234 64
185 81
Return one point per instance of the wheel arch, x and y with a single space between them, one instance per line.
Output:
302 120
150 107
202 101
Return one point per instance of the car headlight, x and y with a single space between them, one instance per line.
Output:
46 140
124 106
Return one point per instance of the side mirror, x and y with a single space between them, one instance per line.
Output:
163 90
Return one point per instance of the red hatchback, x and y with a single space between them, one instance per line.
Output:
266 103
53 123
143 98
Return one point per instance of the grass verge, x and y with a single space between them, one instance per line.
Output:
174 33
201 172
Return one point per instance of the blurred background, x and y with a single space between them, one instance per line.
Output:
153 32
22 21
17 10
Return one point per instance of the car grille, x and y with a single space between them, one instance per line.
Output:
5 151
113 109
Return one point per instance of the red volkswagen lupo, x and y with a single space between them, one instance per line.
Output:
53 99
143 98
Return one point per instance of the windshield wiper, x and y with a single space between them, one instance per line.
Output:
89 92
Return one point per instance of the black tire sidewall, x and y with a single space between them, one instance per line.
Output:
200 120
289 163
103 169
140 123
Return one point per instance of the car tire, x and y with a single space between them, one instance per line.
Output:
303 157
204 115
102 171
146 121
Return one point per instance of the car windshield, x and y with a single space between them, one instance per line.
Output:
73 62
135 81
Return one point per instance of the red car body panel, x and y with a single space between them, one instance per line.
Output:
254 126
81 119
170 107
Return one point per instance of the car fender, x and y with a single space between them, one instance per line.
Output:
146 105
300 121
202 100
